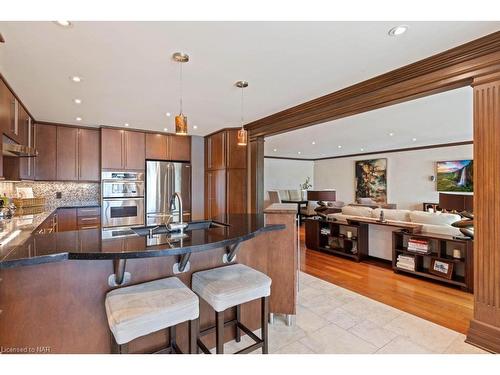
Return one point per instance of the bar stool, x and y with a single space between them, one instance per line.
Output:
231 286
141 309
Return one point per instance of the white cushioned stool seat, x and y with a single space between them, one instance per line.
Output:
138 310
229 286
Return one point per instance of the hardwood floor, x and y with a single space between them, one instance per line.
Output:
440 304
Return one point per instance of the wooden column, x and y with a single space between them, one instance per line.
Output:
484 329
256 175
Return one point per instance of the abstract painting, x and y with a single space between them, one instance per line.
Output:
371 179
454 175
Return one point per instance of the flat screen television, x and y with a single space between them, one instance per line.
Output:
454 176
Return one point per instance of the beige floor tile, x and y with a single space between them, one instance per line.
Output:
281 335
402 345
307 293
422 332
308 320
334 340
294 348
371 310
342 318
373 333
459 346
322 304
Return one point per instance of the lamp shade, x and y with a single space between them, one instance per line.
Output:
181 127
242 137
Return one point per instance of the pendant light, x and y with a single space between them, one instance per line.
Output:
242 133
181 127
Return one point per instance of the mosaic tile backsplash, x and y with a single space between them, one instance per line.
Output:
72 193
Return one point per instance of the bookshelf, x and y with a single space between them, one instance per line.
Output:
441 249
333 237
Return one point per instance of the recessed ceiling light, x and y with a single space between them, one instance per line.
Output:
274 150
126 124
76 78
299 152
168 114
398 30
165 129
339 146
63 23
414 139
78 119
77 101
361 149
313 142
195 127
391 134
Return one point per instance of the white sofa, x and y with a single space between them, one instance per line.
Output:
380 237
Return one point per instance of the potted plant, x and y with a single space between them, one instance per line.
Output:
305 186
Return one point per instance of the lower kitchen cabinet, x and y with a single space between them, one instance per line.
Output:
78 218
66 219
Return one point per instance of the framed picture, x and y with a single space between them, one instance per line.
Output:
371 180
441 268
454 175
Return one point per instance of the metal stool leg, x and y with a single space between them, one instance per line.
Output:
219 331
237 329
193 336
264 319
172 333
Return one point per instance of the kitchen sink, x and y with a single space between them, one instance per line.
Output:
194 225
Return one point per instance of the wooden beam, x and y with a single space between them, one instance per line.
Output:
485 327
445 71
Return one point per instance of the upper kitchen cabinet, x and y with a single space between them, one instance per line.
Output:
46 145
122 149
168 147
77 154
9 107
215 151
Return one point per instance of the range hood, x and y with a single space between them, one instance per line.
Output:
10 148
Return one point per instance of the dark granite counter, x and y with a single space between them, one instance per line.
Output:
31 248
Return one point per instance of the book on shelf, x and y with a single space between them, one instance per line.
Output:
419 245
406 262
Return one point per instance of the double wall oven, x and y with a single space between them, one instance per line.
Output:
122 199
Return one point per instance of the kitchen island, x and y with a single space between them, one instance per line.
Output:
53 284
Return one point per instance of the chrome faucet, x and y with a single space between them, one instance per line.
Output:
172 205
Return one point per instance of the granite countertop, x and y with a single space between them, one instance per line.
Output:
14 232
94 244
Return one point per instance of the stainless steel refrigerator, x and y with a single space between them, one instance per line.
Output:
163 179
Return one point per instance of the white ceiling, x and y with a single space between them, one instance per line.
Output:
128 75
436 119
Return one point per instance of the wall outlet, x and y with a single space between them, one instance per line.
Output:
58 195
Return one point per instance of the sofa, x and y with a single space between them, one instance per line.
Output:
380 237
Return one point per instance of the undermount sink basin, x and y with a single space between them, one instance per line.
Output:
194 225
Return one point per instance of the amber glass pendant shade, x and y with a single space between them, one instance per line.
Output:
181 126
242 137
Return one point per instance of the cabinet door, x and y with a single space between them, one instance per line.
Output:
22 125
216 193
112 148
215 151
88 155
67 153
66 219
179 147
27 165
156 146
45 143
4 107
236 155
135 150
236 194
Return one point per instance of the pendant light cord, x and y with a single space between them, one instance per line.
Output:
180 85
241 107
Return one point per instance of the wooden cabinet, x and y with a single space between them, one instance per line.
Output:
66 219
46 145
215 151
27 165
225 174
168 147
9 107
67 153
215 193
77 154
123 149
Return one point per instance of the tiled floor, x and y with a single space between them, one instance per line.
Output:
333 320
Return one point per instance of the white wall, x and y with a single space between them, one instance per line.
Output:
408 173
280 174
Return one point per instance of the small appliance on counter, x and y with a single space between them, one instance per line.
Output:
122 199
